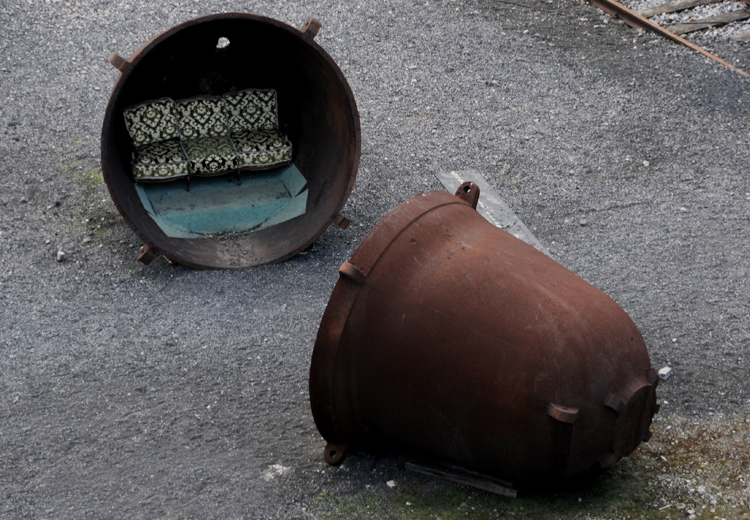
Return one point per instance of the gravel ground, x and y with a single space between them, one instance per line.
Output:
132 391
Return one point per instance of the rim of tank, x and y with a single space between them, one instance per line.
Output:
153 43
345 293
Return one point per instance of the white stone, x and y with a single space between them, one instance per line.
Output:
273 471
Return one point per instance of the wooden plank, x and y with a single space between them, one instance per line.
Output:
713 21
633 19
673 7
464 477
742 37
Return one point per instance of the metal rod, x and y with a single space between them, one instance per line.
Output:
633 19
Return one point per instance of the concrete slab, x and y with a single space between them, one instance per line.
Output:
491 206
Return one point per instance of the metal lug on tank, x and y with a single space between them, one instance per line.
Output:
311 28
613 402
146 254
352 272
340 220
469 193
335 453
607 460
119 62
564 414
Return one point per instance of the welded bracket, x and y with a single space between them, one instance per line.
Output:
311 28
469 193
119 62
340 220
334 453
564 414
351 272
146 254
607 460
614 402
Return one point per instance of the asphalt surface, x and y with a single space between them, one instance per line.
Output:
132 391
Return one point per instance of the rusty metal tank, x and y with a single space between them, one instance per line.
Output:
448 338
222 53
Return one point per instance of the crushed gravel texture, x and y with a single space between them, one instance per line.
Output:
699 13
143 392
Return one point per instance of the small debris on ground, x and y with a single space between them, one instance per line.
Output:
273 471
665 373
60 256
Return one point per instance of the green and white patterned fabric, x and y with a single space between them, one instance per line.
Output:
210 155
201 117
261 148
206 135
251 109
160 161
151 122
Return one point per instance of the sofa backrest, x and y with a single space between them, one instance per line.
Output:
151 122
201 117
251 109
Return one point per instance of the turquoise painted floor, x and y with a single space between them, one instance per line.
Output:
217 205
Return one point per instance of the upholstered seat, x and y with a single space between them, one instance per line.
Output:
158 154
253 122
210 155
261 148
207 135
160 161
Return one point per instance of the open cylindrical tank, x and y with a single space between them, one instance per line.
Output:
215 226
448 338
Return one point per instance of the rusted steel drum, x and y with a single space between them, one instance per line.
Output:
224 53
448 338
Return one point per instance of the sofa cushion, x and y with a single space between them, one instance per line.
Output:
162 160
261 148
151 122
201 117
251 109
210 155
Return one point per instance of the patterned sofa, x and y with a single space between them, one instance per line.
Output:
206 136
